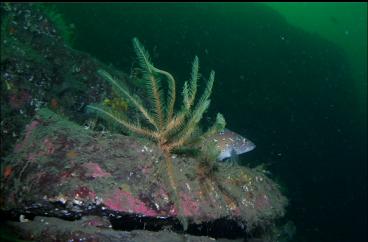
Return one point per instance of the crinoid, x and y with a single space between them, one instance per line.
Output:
170 129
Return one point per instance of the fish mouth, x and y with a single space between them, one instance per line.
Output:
251 146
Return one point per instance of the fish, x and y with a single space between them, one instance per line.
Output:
230 143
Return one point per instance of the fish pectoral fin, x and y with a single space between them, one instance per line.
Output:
234 157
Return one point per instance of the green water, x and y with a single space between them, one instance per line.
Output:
344 24
291 77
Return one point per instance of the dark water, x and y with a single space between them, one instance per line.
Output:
300 96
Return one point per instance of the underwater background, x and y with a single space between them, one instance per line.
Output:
290 77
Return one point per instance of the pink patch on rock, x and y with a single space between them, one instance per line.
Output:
34 124
262 201
146 169
236 211
84 192
190 207
33 156
161 194
94 170
50 147
29 129
125 202
173 211
18 100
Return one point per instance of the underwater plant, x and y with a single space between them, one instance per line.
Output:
170 129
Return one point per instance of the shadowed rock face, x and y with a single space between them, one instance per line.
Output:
38 69
63 170
92 228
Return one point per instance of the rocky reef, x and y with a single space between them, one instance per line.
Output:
63 170
62 180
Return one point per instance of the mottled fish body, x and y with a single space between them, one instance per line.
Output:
230 143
